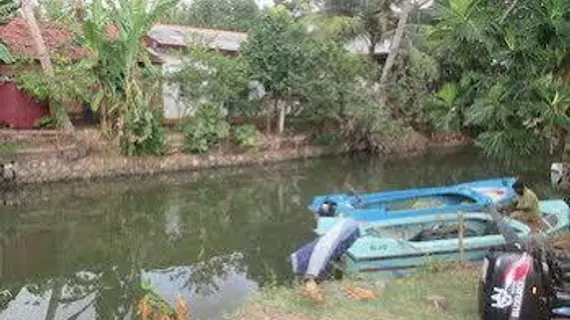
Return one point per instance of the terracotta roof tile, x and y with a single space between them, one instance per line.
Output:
16 35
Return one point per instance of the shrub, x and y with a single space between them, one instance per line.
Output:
143 134
247 135
205 129
327 139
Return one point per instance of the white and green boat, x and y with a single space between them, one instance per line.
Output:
398 246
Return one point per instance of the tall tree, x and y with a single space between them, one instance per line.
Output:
236 15
394 49
58 111
280 56
370 19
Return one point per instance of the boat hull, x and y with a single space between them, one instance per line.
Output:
389 257
465 197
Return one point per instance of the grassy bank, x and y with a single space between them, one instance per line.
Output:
404 298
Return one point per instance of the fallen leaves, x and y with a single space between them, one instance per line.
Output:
437 302
311 290
360 294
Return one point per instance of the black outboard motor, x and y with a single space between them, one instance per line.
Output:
515 285
527 284
327 209
523 281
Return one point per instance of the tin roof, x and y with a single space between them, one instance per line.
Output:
178 36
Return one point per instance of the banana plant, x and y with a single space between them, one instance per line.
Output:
444 108
114 30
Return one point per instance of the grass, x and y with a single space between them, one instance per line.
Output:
8 148
404 298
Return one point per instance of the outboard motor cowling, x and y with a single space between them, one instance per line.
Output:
514 285
327 209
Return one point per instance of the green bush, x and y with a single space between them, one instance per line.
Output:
143 134
205 129
327 139
247 135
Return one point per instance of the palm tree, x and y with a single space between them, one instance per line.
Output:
371 19
57 110
394 48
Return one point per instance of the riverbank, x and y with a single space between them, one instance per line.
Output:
51 157
431 295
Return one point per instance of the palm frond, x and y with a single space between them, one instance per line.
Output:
5 55
8 9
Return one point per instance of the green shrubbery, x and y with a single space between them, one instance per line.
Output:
247 135
205 129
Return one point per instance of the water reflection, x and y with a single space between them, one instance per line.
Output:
81 251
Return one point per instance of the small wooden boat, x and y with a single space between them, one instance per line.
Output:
398 246
466 197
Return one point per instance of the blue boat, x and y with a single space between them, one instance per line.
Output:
399 246
465 197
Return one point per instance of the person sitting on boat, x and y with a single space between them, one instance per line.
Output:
525 207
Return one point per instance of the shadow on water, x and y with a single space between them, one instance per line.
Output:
81 251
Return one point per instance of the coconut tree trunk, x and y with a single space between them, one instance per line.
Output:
28 15
79 10
281 119
394 48
57 110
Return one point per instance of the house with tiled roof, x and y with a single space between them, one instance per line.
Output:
161 41
59 41
18 109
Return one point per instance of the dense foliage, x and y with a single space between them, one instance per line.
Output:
497 71
205 129
8 9
237 15
284 71
114 31
69 83
506 67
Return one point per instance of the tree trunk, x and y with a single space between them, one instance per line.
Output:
79 10
558 143
282 111
28 14
394 48
270 114
57 110
372 48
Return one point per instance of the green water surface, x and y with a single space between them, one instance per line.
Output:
81 250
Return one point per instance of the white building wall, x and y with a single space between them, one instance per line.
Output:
174 106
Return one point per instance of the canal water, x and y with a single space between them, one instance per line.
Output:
82 250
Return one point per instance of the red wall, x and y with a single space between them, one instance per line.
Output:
17 109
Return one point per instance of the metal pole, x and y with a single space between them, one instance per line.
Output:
461 217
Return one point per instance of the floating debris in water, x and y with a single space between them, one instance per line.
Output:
153 307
